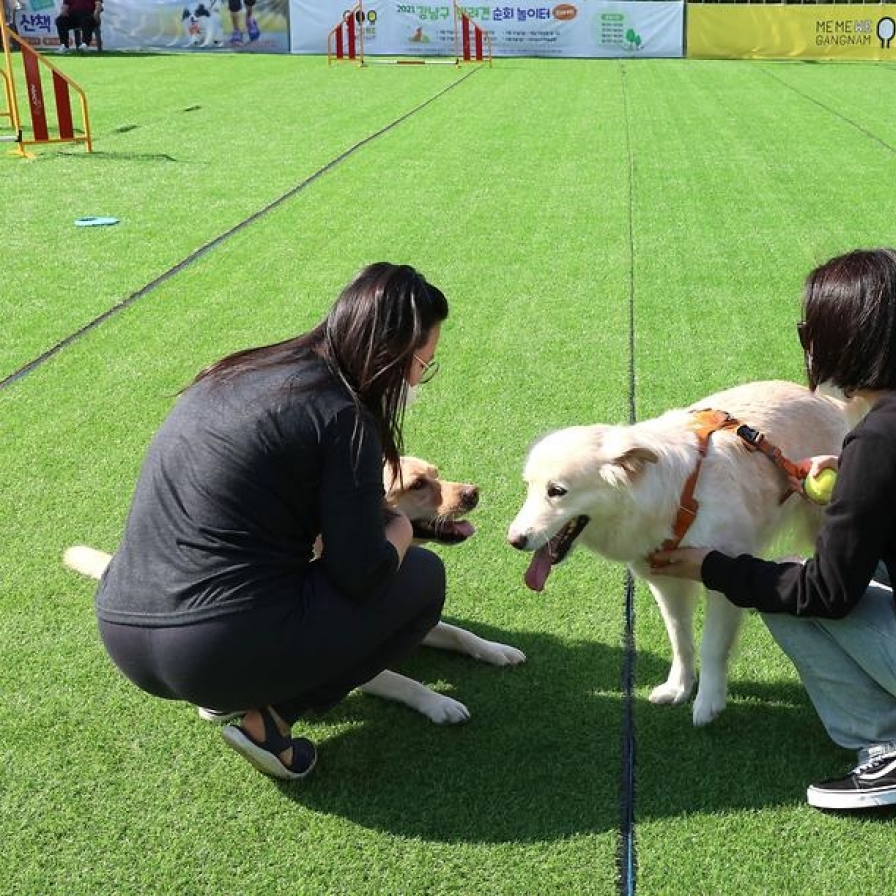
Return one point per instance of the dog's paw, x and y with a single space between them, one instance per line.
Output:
499 654
444 710
670 694
707 708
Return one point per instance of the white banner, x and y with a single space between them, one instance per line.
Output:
194 25
587 28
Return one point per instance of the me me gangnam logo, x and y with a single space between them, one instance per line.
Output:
854 32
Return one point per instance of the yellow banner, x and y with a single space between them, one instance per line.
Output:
782 32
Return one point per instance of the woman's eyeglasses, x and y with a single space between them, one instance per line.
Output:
429 369
803 332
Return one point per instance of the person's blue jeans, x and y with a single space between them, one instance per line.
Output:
848 667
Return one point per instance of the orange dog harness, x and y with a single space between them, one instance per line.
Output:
705 423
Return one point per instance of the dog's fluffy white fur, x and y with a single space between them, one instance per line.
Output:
627 480
435 507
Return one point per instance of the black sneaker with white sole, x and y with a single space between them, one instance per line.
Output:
873 783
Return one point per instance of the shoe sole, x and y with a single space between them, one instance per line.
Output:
219 718
265 762
851 800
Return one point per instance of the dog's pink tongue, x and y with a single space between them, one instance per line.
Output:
462 527
539 569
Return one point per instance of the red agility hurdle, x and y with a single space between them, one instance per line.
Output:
34 66
475 45
345 42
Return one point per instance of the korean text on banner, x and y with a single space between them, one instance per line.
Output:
587 28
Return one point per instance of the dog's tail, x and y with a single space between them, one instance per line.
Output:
88 561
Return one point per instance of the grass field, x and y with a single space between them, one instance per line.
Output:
614 237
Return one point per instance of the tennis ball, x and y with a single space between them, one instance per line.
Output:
818 488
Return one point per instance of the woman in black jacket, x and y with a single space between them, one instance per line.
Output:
215 595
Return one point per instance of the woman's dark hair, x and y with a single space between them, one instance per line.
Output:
368 340
849 321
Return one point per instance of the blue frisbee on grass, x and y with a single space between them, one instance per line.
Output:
95 221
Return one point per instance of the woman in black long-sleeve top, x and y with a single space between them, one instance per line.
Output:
214 595
832 614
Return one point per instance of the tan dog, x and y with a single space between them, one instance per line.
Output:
617 489
435 507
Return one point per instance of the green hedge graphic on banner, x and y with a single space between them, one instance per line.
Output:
613 30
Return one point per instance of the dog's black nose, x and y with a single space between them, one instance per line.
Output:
518 541
470 497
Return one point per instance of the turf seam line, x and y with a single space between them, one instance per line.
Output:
221 238
834 112
626 864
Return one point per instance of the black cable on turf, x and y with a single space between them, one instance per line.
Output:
834 112
213 244
626 857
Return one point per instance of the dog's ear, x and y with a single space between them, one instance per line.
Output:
636 458
628 464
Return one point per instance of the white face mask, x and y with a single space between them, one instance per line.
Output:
828 388
408 395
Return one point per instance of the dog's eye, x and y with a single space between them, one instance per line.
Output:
556 491
417 484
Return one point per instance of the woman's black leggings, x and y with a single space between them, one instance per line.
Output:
305 652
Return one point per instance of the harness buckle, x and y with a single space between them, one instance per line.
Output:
752 437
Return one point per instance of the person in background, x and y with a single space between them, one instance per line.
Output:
215 595
80 16
252 30
834 614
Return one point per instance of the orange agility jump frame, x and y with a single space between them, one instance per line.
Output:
345 42
474 43
42 129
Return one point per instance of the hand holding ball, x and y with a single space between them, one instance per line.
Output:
818 488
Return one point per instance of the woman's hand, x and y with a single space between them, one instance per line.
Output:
823 462
682 563
812 466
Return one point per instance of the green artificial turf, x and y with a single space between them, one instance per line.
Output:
610 234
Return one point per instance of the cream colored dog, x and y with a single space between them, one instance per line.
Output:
435 507
616 490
